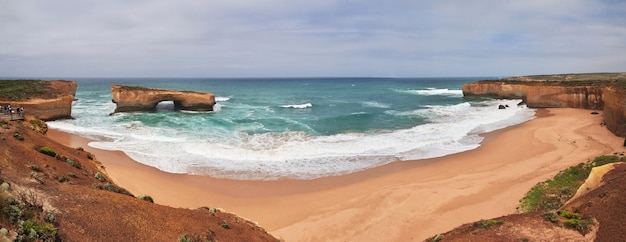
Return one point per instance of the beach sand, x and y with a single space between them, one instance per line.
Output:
402 201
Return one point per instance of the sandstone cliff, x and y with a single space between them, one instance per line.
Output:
599 91
45 100
135 99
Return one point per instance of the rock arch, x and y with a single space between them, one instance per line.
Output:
138 99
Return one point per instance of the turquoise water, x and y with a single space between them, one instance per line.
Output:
304 128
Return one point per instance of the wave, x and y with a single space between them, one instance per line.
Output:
298 106
375 104
433 91
222 99
300 155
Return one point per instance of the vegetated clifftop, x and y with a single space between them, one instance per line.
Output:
595 213
45 100
51 192
599 91
134 99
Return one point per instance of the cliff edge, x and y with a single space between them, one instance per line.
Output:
597 91
137 99
45 100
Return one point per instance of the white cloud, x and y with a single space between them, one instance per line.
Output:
310 38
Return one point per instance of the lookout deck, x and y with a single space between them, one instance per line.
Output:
12 117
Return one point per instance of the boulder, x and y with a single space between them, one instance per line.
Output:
141 99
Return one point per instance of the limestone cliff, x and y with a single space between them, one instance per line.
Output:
599 91
136 99
537 95
45 100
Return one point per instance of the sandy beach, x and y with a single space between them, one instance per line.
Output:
402 201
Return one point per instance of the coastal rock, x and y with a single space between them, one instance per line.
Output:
137 99
53 101
615 110
600 91
539 96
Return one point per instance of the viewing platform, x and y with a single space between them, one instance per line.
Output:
12 117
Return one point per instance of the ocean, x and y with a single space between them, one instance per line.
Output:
291 128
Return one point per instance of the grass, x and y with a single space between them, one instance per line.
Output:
19 90
553 193
48 151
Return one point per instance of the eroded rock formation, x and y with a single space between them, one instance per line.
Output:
136 99
604 91
52 100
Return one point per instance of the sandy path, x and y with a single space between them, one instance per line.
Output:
403 201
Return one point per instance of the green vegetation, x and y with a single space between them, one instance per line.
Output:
582 225
100 177
438 238
486 224
18 136
568 214
23 212
112 188
35 168
48 151
225 225
18 90
553 193
197 238
146 198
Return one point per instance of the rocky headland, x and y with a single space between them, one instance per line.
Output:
139 99
45 100
596 91
51 192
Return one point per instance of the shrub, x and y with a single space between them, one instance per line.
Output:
35 176
71 174
438 238
35 168
553 193
100 177
36 231
224 224
73 163
146 198
62 179
48 151
18 136
49 217
112 188
5 186
550 216
583 225
568 214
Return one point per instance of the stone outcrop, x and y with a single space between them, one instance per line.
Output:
615 109
53 101
605 91
539 96
138 99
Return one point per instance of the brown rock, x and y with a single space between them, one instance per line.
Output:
133 99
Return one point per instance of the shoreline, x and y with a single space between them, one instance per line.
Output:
400 201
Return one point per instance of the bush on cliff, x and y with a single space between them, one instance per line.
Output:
553 193
48 151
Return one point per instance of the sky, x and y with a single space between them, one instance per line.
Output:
304 38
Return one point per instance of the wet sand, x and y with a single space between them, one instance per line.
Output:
402 201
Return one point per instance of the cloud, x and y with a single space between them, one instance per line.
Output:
310 38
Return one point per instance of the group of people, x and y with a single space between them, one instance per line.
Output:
8 110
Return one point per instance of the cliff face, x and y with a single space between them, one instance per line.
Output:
134 99
54 102
539 96
599 91
615 110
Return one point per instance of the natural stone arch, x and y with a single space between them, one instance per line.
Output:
137 99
